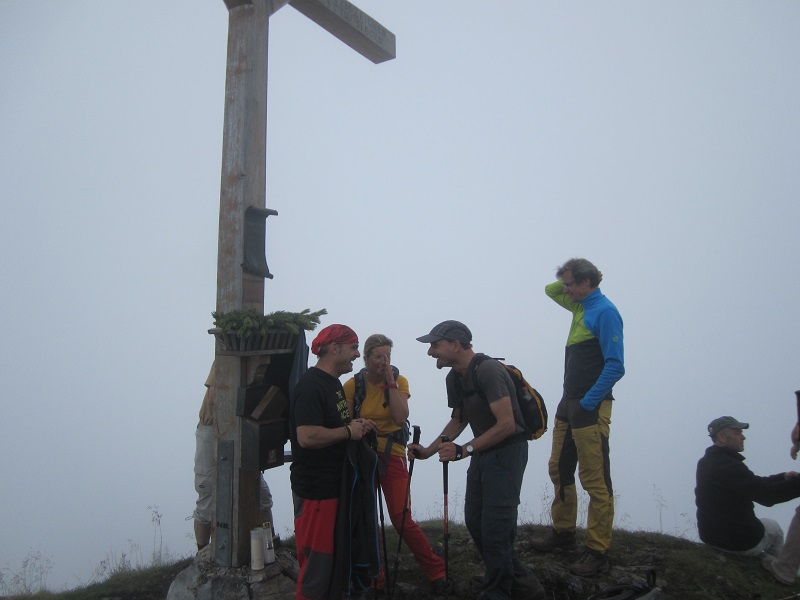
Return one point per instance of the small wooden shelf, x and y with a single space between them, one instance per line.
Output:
275 341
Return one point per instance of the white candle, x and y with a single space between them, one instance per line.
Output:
257 548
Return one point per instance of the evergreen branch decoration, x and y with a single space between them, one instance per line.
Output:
250 322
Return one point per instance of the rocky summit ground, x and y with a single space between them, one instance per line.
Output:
685 570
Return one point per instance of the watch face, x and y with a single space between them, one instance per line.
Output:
470 449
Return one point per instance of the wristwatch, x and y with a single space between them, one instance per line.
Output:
469 449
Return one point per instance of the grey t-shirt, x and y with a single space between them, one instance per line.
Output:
495 383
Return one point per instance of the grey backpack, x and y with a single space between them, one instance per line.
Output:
639 590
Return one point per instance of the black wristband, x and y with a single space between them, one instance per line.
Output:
459 452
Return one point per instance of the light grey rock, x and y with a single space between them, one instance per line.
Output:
181 587
204 580
226 586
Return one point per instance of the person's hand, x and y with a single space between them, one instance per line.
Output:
356 429
413 451
447 452
360 427
364 426
388 373
417 451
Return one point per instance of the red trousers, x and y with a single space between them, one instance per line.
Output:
314 522
395 486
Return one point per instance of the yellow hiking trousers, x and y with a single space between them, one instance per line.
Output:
587 449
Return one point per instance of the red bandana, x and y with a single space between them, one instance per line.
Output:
333 334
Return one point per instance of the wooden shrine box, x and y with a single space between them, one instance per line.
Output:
264 404
264 408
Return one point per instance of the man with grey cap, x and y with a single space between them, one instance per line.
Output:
480 392
726 490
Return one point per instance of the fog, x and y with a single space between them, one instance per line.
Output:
659 140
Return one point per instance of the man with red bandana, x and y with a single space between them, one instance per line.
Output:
319 429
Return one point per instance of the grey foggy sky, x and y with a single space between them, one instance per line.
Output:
659 140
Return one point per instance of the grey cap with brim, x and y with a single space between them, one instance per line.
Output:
721 423
448 330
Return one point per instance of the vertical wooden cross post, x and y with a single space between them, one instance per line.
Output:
240 281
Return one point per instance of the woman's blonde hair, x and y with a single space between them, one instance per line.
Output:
375 341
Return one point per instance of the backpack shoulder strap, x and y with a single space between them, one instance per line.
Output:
360 379
479 359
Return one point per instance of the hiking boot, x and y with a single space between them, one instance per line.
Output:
441 587
590 563
554 540
768 562
527 588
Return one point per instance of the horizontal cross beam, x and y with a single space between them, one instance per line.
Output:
352 26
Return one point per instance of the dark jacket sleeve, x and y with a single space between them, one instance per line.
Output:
772 490
766 491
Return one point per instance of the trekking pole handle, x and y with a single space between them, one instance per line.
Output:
415 440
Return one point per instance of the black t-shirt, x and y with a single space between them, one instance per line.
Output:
318 399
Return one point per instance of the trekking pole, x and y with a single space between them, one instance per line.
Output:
406 510
446 519
797 393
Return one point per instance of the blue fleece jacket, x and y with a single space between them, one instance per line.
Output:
594 317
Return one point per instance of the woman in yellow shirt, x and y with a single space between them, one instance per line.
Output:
385 402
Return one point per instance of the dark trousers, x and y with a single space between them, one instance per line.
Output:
494 480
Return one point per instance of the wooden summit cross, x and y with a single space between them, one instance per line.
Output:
240 278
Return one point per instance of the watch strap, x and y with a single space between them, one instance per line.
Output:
459 452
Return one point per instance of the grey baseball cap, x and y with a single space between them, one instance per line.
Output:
721 423
448 330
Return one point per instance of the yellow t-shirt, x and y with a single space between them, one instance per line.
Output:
372 408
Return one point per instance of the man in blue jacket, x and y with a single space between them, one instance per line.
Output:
594 362
726 490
